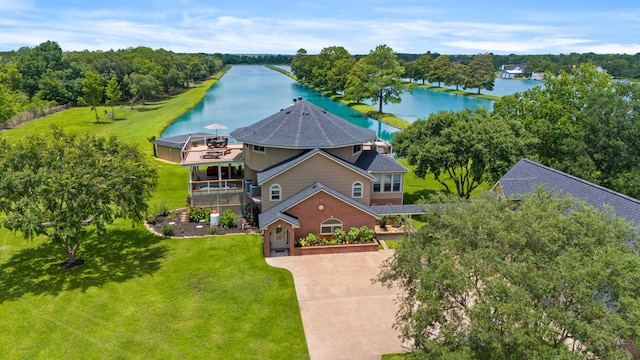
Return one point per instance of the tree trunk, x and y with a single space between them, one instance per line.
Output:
95 108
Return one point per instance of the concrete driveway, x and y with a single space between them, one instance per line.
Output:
344 314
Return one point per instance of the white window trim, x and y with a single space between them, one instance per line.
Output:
338 223
264 151
382 183
353 189
271 189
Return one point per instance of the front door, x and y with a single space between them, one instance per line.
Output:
279 238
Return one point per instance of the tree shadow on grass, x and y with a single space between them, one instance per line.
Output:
420 196
121 255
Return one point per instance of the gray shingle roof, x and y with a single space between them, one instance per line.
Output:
177 141
526 175
372 161
279 211
276 169
408 209
303 125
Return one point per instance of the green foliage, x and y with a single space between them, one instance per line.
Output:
167 230
339 235
440 70
55 187
377 76
465 148
228 219
480 73
197 214
483 281
584 123
113 94
92 91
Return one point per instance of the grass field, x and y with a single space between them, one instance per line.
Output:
140 296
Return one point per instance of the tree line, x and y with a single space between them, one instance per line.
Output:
33 79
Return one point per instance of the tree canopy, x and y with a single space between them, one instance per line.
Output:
547 277
465 147
382 73
584 123
56 186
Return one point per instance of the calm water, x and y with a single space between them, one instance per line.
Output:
249 93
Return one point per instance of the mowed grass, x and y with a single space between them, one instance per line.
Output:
138 295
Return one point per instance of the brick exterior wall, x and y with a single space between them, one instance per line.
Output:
310 216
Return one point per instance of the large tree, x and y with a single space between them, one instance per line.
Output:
381 70
543 278
481 73
584 123
440 70
142 87
466 147
58 185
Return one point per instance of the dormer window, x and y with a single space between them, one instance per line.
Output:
357 149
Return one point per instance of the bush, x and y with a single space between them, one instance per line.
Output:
167 230
152 219
312 239
198 214
228 219
339 235
161 209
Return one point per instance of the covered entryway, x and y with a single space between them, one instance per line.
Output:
279 241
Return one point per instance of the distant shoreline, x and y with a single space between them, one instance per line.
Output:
369 111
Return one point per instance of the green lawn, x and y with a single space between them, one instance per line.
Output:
140 296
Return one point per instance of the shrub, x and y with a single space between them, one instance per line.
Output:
152 219
353 235
198 214
366 234
312 239
167 230
339 235
228 219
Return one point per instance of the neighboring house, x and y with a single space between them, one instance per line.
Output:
309 171
512 71
538 76
526 175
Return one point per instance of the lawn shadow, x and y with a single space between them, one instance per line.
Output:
420 196
121 255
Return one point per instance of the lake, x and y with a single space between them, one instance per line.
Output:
249 93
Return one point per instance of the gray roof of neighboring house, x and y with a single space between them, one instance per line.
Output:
526 175
276 169
408 209
303 125
278 211
372 161
177 141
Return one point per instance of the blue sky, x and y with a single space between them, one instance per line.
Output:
283 27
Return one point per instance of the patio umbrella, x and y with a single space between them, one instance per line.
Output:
215 127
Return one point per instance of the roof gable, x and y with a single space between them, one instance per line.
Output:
303 125
523 177
284 166
279 211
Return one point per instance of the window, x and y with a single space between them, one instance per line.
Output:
275 192
357 148
258 149
328 226
387 183
356 190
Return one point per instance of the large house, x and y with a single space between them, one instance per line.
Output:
309 171
301 170
523 177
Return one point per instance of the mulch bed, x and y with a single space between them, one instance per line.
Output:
183 228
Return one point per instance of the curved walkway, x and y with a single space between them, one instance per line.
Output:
345 315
